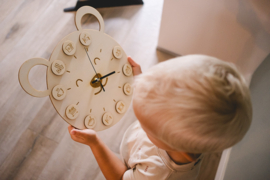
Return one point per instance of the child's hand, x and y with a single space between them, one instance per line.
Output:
86 136
135 67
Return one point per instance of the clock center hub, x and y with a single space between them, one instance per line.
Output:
97 83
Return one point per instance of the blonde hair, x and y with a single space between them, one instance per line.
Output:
203 102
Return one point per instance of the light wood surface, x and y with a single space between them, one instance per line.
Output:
24 73
69 64
34 141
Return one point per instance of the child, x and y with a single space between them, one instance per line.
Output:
186 106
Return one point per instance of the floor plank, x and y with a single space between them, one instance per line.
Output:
15 159
33 165
18 22
15 122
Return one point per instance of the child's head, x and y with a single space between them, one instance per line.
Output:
193 103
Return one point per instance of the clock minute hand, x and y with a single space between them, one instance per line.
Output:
94 69
104 76
90 61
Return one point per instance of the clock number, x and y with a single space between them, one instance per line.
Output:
107 119
85 38
59 92
120 107
69 47
58 67
117 52
72 111
127 89
127 70
90 121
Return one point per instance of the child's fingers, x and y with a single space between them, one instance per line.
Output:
86 136
70 128
72 131
135 67
78 134
132 62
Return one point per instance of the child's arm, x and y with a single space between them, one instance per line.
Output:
111 166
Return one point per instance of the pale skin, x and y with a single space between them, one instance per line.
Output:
111 166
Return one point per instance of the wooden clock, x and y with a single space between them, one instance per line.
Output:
89 79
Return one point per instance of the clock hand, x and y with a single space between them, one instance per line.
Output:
94 69
104 77
90 61
102 86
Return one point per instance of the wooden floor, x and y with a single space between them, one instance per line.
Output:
34 141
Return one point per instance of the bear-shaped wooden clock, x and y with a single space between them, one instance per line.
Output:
88 77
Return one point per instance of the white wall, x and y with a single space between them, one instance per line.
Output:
232 30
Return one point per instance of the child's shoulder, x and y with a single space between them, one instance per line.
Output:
145 159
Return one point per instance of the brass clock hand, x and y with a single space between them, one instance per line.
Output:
104 77
94 69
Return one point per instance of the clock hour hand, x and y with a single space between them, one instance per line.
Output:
103 77
102 86
94 69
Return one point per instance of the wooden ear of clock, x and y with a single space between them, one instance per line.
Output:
70 77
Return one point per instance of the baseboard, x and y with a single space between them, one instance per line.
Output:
167 51
223 164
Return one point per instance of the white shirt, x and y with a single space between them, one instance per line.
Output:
146 161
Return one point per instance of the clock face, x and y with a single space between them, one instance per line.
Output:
78 100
